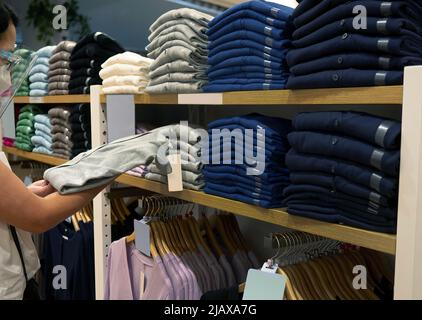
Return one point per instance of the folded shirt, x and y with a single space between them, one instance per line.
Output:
58 86
102 39
123 70
196 50
114 81
42 127
187 176
58 92
59 78
66 46
46 136
38 77
124 89
84 63
86 72
197 16
178 53
191 38
42 118
38 93
83 81
367 61
243 87
270 9
400 9
247 60
129 58
190 30
177 77
230 71
249 24
38 86
60 65
163 179
176 87
346 78
347 149
400 46
380 131
92 50
177 66
60 56
227 54
40 141
41 149
374 26
59 72
45 51
39 68
195 26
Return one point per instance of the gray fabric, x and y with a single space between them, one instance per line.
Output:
46 136
59 78
176 66
199 17
163 179
58 92
195 151
198 51
188 31
100 166
56 145
176 87
61 129
60 56
58 86
187 176
67 46
60 113
59 72
64 138
59 122
177 77
60 65
196 27
160 41
178 53
42 127
62 153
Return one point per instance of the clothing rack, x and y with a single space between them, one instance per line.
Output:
108 112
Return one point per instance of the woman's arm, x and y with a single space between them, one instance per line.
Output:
21 208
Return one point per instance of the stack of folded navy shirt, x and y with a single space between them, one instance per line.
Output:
71 130
86 60
253 169
247 47
344 169
334 47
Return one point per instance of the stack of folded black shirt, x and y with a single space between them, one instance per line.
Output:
71 129
344 169
86 59
336 46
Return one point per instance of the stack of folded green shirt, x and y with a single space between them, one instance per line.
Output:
19 70
25 127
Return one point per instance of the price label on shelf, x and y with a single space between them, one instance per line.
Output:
36 99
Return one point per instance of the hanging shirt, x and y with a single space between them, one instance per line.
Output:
125 264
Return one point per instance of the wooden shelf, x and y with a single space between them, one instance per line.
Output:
386 95
65 99
53 161
373 240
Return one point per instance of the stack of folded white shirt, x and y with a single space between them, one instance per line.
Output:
126 72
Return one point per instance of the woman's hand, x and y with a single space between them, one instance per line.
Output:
41 188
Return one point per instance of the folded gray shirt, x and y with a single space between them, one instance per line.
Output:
58 92
176 87
180 66
179 53
192 34
197 27
58 86
60 56
59 78
59 72
163 179
188 176
197 16
177 35
198 51
60 65
100 166
66 45
60 113
177 77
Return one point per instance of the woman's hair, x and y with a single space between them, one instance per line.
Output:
7 15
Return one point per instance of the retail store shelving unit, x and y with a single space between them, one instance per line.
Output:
407 245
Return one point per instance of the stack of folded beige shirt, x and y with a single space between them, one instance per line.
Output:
125 73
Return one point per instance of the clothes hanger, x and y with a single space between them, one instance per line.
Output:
344 275
220 229
75 223
211 237
197 231
229 232
237 234
328 278
339 279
